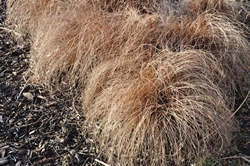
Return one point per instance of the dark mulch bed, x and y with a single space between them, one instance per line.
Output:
37 128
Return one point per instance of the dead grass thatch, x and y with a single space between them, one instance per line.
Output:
155 85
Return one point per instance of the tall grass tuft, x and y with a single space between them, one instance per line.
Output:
159 112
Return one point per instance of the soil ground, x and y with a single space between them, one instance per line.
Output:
37 128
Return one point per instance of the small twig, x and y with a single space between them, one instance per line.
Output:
233 114
244 158
100 162
45 160
4 160
30 124
74 108
244 101
235 157
11 31
24 86
247 143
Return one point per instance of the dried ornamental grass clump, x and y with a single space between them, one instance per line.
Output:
25 15
88 40
154 85
216 34
162 111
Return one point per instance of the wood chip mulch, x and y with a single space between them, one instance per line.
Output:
35 127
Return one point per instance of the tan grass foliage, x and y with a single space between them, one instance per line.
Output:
216 34
165 110
116 5
155 85
220 6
